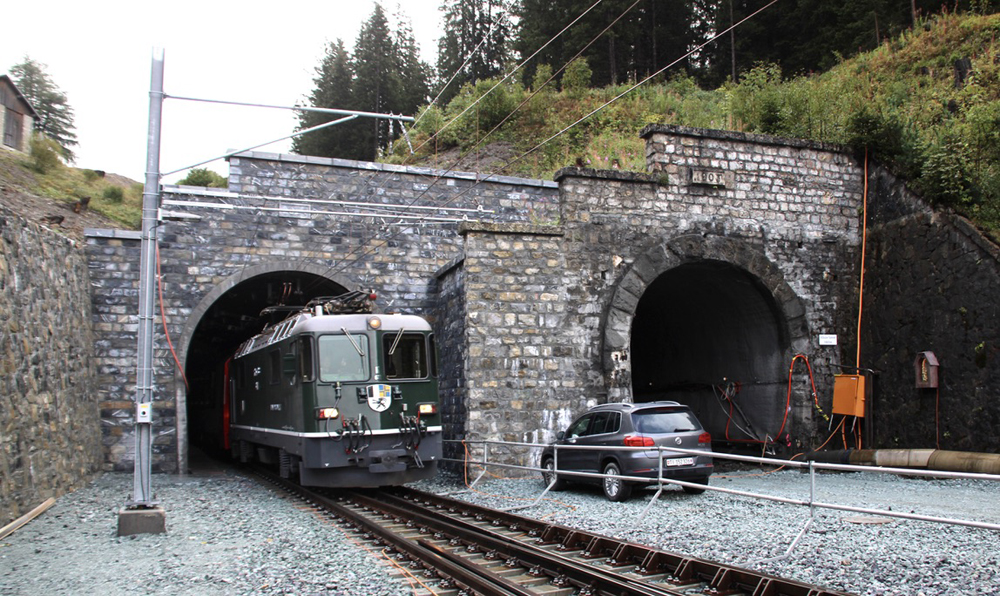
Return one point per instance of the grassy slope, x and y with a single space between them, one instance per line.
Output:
900 100
948 145
67 185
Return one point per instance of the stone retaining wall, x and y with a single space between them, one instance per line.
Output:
934 286
49 420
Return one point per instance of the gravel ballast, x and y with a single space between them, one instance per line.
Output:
227 534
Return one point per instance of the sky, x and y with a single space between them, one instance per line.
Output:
99 54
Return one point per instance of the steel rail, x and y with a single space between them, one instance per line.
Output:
464 574
555 565
648 561
422 511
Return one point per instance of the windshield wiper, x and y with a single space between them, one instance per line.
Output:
396 341
351 339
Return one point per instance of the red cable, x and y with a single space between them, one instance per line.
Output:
163 320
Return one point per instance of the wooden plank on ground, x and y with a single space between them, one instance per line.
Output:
27 517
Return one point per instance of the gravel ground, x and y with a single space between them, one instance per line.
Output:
851 552
228 535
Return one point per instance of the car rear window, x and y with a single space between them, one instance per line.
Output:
664 421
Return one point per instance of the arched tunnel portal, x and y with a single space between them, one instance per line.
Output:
709 335
224 319
711 323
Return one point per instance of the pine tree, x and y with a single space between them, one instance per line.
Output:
644 36
476 44
414 73
378 82
55 115
334 80
384 75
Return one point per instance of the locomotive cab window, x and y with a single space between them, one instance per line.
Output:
405 355
274 358
343 358
306 359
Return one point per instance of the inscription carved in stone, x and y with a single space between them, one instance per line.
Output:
717 178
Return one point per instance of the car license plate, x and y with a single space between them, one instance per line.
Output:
680 461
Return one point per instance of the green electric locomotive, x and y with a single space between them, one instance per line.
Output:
337 396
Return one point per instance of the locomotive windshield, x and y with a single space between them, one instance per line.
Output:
405 355
343 358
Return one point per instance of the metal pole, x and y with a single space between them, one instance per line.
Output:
141 495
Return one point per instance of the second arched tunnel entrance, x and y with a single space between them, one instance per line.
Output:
710 335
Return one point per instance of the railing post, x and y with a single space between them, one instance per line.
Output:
812 490
659 481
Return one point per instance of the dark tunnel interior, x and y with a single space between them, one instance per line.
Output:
233 318
705 328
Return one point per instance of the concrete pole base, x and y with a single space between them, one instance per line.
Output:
151 520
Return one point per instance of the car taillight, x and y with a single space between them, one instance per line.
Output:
638 441
704 438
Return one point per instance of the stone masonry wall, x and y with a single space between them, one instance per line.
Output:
935 282
793 203
549 306
49 423
527 361
533 299
399 260
452 353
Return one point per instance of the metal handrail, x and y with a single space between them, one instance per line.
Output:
812 467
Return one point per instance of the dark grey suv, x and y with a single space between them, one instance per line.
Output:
656 424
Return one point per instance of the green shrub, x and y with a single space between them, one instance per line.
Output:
468 123
204 177
542 75
944 177
881 135
576 79
113 194
90 176
44 154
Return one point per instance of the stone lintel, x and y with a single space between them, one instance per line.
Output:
509 228
393 168
728 135
619 175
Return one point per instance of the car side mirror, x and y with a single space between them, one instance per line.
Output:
560 435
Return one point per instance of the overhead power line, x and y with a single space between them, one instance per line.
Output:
584 118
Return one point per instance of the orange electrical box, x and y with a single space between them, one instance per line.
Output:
849 395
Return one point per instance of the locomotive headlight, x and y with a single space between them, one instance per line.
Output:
427 409
327 413
375 322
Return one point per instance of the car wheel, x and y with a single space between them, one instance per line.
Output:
696 491
550 474
615 489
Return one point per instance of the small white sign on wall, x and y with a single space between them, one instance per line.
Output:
828 339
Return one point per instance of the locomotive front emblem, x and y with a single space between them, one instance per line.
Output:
379 397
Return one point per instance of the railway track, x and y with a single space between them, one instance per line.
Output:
456 548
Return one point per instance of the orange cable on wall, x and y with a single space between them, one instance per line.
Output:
861 286
864 237
163 320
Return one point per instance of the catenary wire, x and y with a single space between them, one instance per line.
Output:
368 181
334 270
